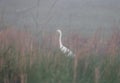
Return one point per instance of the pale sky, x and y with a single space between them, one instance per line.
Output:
75 14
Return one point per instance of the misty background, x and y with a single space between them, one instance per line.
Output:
30 50
83 16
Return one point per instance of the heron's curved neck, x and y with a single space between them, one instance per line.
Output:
60 39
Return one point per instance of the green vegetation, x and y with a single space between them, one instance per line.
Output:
38 66
58 68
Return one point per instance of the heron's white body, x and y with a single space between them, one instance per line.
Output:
64 49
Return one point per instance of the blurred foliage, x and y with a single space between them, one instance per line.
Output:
52 66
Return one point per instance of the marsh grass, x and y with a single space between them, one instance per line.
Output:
56 68
33 64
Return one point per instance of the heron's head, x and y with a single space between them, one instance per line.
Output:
59 31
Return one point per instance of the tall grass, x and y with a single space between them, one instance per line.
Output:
23 60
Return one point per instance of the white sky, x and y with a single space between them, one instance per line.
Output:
82 14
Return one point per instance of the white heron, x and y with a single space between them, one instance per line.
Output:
64 49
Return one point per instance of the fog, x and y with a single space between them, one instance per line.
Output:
59 41
83 15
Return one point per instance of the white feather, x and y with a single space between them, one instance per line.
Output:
64 49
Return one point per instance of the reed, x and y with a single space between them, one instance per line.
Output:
23 60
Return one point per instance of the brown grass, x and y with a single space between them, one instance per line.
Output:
24 43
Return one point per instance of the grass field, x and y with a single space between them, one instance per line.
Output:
22 61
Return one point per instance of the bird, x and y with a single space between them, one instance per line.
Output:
64 49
